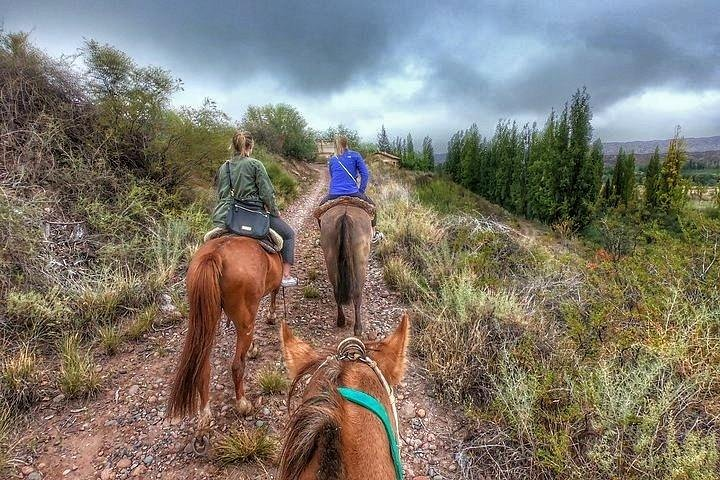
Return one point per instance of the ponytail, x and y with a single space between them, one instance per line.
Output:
242 141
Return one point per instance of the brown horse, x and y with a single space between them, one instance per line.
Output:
345 232
233 274
329 436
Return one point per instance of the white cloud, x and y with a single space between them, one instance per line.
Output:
655 112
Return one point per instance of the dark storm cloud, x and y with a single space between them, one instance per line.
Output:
309 46
476 58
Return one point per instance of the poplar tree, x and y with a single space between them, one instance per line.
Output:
672 196
428 155
652 181
383 142
408 160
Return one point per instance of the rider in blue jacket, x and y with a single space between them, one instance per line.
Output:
344 168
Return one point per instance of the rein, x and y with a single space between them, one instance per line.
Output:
352 349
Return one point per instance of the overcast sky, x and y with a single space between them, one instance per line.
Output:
427 67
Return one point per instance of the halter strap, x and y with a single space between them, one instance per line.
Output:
352 349
371 403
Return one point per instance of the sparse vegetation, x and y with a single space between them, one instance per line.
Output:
242 445
272 381
104 198
78 377
588 356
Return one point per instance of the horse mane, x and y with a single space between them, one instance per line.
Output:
315 426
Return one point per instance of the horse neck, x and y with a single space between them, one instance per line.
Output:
366 447
350 441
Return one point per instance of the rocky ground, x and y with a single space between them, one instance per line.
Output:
123 433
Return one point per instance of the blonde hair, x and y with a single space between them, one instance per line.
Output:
242 142
341 144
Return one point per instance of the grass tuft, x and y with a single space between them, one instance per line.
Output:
110 338
5 429
400 276
311 292
19 378
272 381
241 446
142 322
78 377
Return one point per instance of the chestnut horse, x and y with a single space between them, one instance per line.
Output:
333 434
233 274
345 232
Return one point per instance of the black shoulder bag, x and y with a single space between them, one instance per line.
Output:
246 217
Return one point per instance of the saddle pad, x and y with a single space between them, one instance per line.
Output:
273 243
349 201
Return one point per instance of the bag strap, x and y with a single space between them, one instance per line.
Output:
347 171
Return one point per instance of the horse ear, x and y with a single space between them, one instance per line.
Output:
391 352
297 353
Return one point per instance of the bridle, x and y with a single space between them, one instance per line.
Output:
352 349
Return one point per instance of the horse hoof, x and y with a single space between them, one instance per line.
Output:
200 445
253 352
244 407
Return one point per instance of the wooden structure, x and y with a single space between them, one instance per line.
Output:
386 158
324 149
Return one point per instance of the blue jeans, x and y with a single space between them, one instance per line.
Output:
288 235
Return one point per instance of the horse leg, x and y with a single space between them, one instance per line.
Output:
357 327
271 317
244 327
204 418
340 316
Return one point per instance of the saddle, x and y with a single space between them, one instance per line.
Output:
272 243
348 201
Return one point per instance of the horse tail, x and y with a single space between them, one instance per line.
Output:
345 262
193 373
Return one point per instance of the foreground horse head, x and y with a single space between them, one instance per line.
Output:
233 274
345 233
337 431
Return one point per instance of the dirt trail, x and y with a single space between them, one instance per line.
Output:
123 433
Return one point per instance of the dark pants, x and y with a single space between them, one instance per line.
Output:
357 195
288 235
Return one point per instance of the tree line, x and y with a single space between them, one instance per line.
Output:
552 174
555 174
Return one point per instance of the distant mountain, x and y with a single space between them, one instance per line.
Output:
702 151
699 144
